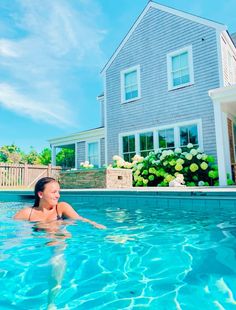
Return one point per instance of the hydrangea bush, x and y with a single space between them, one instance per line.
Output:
158 169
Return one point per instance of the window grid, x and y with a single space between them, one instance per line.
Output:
143 143
131 85
188 134
180 68
146 143
128 147
166 138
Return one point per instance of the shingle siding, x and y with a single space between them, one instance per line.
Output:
158 34
80 153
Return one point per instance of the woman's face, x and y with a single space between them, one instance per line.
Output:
51 193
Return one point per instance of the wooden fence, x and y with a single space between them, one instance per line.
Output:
23 175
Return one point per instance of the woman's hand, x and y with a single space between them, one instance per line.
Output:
99 226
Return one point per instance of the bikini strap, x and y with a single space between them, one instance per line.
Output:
30 213
57 211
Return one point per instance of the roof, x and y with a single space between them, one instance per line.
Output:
151 4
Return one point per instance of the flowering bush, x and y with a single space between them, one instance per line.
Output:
158 169
86 165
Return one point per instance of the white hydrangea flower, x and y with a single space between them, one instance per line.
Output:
199 156
116 157
201 183
188 156
170 152
194 152
189 145
178 150
165 153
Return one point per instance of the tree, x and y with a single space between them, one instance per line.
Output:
11 154
33 158
66 158
45 156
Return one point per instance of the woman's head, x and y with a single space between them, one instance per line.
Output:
40 187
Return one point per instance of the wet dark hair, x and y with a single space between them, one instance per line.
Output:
39 187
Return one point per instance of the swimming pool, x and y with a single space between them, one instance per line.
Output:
162 255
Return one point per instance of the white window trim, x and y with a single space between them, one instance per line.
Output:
99 150
169 67
155 130
122 83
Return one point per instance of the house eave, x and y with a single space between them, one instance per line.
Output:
223 94
97 133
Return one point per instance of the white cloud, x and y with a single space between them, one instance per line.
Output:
58 38
17 102
7 48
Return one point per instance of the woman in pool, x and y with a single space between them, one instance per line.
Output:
46 207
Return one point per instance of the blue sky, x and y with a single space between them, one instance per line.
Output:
51 55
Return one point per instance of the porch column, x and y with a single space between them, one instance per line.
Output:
76 155
53 155
221 156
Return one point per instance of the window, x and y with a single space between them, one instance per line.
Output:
188 134
146 143
151 139
128 147
93 153
130 84
166 138
180 68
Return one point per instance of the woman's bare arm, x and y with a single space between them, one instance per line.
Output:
69 212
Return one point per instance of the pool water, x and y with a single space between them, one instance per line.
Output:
155 258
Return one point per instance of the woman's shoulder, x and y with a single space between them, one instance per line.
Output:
63 205
23 214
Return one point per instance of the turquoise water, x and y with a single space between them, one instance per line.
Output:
155 258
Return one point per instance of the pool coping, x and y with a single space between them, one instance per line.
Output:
208 193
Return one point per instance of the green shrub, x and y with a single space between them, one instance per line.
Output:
158 169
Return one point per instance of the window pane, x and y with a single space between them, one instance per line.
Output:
166 138
128 147
93 156
184 60
125 144
131 143
131 94
146 143
175 63
183 136
130 78
170 142
193 138
188 134
131 85
180 69
177 81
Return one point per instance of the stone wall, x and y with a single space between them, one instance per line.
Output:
96 178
